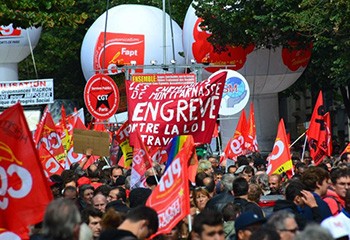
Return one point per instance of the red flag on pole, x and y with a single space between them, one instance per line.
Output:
25 191
49 163
346 150
141 162
279 160
324 141
317 125
236 145
250 141
171 197
51 139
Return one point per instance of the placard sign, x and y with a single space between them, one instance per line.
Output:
101 96
30 92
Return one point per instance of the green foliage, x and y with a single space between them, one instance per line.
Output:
273 23
65 23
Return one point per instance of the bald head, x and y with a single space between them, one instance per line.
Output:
99 202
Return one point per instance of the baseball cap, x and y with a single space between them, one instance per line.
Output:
247 219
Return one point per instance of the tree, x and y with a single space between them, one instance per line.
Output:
65 23
273 23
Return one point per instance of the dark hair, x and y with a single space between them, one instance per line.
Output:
300 165
240 187
68 176
294 189
90 211
313 176
93 173
152 180
249 169
144 213
265 233
206 217
103 189
230 211
69 188
139 196
242 160
210 186
231 166
199 178
83 188
121 193
337 173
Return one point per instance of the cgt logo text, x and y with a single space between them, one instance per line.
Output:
15 172
9 31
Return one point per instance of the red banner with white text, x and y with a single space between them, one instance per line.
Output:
171 197
160 112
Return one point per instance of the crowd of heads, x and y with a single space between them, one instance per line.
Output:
228 200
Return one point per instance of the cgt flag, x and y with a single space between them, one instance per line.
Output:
171 197
24 189
251 142
279 160
236 145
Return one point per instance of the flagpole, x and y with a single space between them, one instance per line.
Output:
302 155
155 175
219 143
297 139
189 218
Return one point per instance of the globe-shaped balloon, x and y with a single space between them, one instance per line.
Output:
134 36
266 70
15 45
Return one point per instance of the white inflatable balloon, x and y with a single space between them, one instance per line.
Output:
134 35
267 71
14 47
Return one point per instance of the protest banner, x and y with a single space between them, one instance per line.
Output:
160 112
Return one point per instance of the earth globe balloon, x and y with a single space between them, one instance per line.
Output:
15 46
133 36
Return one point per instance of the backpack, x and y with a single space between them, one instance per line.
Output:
335 199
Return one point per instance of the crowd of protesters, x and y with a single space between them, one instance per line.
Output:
239 201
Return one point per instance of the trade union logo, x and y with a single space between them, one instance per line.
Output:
101 96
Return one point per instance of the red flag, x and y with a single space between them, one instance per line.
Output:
216 130
316 126
250 141
24 189
279 160
122 139
171 197
158 154
74 121
236 145
40 127
141 162
49 163
346 150
51 139
324 142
